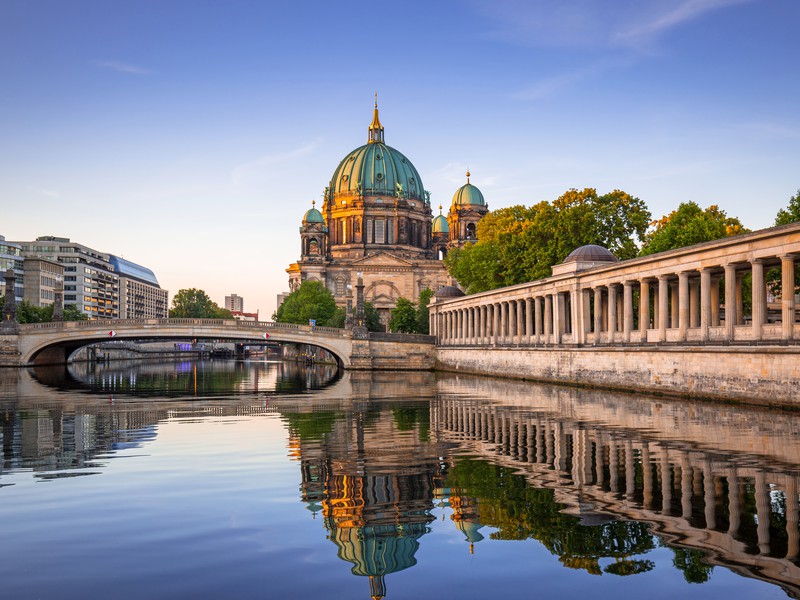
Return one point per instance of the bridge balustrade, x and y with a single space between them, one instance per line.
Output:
722 292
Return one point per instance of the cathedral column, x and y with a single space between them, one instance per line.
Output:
520 330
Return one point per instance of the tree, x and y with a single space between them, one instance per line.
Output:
791 213
423 315
195 304
28 313
372 317
311 300
403 318
688 225
519 244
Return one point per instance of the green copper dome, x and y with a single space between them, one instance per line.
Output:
376 169
313 216
468 195
440 225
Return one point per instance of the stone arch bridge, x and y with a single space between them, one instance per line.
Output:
54 343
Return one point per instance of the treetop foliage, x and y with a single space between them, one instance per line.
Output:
192 303
519 243
791 213
688 225
312 300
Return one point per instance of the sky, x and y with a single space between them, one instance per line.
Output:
191 136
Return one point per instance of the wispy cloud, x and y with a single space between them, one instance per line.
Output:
44 192
121 67
267 163
590 23
669 17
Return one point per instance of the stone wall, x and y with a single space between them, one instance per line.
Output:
762 375
393 356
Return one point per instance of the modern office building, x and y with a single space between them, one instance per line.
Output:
90 281
41 280
140 295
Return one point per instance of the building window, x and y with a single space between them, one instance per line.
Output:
380 232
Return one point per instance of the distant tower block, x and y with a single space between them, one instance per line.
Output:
234 303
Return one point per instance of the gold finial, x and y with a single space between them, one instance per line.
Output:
313 203
375 128
440 209
467 174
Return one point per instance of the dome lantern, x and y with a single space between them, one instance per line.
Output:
375 132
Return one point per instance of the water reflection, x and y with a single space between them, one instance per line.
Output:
603 481
198 378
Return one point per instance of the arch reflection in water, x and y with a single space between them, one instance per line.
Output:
198 378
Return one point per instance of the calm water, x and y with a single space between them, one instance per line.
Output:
264 480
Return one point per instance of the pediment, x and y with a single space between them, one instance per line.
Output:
381 259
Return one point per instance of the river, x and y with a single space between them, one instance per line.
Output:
237 479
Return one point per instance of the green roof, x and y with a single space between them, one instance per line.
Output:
468 195
440 224
313 216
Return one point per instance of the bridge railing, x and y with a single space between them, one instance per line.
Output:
224 323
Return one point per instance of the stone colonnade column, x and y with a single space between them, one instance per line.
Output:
663 304
598 313
612 312
644 308
683 304
759 299
787 297
730 300
627 311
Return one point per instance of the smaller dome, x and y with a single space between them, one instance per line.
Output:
440 225
449 291
313 216
468 195
591 253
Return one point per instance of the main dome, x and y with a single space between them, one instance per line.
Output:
376 169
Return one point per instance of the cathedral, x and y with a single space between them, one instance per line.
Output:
376 219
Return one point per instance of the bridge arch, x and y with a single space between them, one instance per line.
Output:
54 343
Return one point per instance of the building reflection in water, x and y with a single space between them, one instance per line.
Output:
590 475
719 484
371 470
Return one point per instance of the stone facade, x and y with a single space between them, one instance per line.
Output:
376 219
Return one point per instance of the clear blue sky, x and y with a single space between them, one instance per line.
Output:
191 136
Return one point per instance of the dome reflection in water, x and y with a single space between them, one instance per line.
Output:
389 485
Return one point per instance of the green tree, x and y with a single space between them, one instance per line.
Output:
791 213
195 304
28 313
403 318
372 317
688 225
423 315
519 244
312 300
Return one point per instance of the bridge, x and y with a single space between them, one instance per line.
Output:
707 320
54 343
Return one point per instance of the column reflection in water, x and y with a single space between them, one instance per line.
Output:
591 475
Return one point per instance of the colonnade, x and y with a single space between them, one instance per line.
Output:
643 301
690 492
